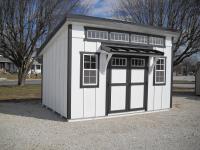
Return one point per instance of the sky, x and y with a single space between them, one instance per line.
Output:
101 8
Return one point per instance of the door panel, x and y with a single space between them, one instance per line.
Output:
137 75
118 76
126 84
137 96
118 98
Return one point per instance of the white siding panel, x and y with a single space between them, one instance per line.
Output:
101 91
77 93
150 100
44 84
90 46
167 87
78 31
168 42
89 102
54 59
157 97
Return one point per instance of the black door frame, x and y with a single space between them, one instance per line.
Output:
127 84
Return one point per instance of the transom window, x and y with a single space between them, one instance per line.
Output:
156 41
135 38
160 71
115 36
89 69
96 34
119 61
137 62
121 36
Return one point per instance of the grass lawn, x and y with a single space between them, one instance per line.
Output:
13 76
183 82
20 93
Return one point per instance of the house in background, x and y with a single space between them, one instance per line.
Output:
6 65
94 67
36 68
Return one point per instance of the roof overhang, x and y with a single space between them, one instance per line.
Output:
130 50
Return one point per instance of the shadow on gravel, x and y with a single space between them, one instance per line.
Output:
187 95
28 108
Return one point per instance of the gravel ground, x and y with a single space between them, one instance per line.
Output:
26 125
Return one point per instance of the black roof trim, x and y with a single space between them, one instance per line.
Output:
91 18
78 16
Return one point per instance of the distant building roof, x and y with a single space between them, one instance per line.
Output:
3 59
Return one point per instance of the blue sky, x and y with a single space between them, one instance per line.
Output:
100 8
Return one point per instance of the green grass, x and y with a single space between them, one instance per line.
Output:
13 76
20 93
183 82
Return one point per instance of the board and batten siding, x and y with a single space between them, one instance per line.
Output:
159 95
55 72
86 102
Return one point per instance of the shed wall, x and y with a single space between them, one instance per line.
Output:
86 102
159 95
90 102
55 72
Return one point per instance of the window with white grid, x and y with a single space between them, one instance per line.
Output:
116 61
137 62
115 36
156 41
96 34
160 71
141 39
90 69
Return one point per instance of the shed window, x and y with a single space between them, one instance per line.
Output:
115 36
119 61
135 38
96 34
156 41
137 62
160 71
89 70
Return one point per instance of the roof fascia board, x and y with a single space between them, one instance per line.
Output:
120 25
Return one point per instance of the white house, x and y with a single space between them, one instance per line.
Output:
94 67
36 68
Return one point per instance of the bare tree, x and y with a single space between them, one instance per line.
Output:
23 24
182 15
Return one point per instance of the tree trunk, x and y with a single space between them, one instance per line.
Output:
21 77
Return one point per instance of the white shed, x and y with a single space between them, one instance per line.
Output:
94 67
197 85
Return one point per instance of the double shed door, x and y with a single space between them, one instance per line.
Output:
127 84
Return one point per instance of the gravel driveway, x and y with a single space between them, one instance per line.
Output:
26 125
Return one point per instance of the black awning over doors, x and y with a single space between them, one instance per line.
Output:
131 50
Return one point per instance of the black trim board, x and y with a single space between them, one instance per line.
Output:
69 66
172 69
81 70
159 84
103 21
127 84
86 28
42 80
